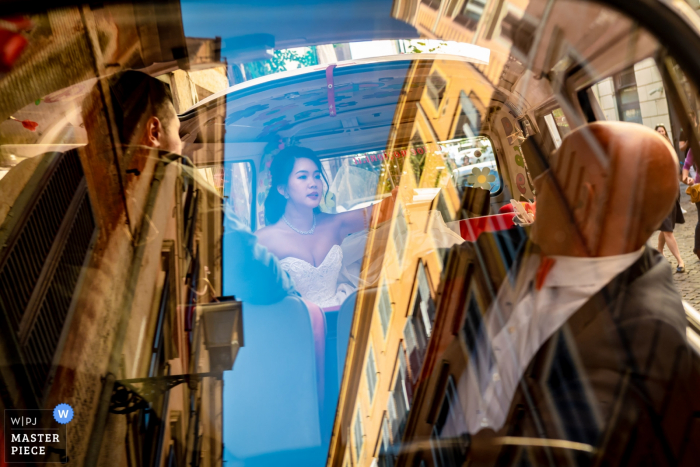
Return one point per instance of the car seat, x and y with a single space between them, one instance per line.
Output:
271 396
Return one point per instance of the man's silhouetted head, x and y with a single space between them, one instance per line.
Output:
143 111
609 187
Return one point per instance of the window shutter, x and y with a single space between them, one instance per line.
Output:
44 244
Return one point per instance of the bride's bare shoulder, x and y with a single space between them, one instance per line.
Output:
326 218
268 233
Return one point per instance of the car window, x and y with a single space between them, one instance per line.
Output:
475 163
358 233
238 178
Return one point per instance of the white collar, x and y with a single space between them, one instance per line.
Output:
572 271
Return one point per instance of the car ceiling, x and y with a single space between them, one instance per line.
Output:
295 108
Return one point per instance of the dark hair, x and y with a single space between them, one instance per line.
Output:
281 169
661 125
136 96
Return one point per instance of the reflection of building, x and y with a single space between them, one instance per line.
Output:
391 327
635 95
81 306
454 20
105 252
398 330
435 428
507 30
491 24
394 318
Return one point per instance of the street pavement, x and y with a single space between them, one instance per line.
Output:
688 284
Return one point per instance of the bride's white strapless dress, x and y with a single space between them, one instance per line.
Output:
319 284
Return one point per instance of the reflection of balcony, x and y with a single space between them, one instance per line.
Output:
219 329
443 27
425 20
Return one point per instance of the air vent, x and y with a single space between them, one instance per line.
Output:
40 264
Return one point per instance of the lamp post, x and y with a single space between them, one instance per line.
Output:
223 332
222 324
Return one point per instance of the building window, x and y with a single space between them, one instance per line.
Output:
469 118
419 324
399 400
434 4
561 122
627 96
384 308
358 434
416 342
47 256
371 374
386 453
423 301
476 339
470 14
436 86
417 149
446 440
442 208
400 235
472 323
519 29
237 190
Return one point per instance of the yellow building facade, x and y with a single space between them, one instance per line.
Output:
395 315
393 345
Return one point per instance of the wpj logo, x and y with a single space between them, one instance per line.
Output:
23 421
37 436
63 413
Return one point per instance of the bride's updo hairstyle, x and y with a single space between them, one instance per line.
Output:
281 169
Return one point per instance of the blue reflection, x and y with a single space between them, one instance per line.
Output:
245 26
280 398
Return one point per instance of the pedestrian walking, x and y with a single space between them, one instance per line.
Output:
666 236
688 180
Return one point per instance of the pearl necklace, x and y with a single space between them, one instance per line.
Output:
301 232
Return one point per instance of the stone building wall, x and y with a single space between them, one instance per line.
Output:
650 89
652 96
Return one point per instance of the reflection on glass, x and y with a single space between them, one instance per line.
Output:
130 209
476 163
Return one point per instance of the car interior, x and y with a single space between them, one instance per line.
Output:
406 106
463 131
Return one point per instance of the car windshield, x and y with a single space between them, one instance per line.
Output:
428 233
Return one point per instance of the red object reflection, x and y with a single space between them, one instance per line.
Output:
12 42
29 125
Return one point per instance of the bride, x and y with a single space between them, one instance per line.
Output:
306 240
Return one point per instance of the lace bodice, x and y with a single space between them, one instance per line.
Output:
318 284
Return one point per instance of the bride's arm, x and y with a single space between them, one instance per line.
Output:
360 219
